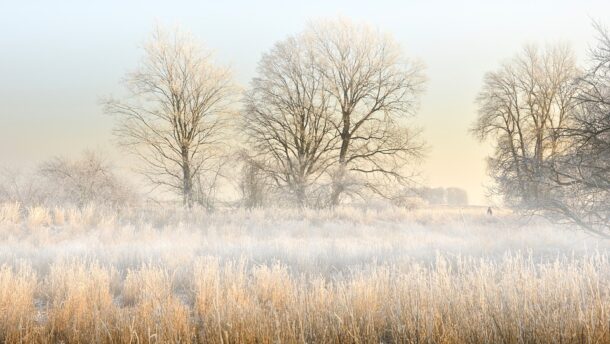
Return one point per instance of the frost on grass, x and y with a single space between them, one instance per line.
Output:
278 275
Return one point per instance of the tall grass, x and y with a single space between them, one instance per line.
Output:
514 300
10 213
38 217
348 276
17 308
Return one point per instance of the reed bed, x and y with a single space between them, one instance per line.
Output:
514 300
374 276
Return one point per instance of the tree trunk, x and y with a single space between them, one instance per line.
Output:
187 180
300 195
338 183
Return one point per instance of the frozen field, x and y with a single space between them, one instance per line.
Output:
442 275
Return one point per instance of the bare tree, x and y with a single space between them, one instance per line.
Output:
375 88
88 179
522 107
253 184
174 116
287 119
580 177
22 186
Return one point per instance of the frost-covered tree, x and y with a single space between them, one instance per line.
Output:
174 115
80 181
551 126
375 89
22 186
329 107
287 120
580 176
522 108
254 184
88 179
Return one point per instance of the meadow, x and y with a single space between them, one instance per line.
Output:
350 275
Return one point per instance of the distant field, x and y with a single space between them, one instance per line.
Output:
382 275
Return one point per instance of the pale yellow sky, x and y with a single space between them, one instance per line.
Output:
58 58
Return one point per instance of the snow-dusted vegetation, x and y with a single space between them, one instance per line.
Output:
346 275
320 195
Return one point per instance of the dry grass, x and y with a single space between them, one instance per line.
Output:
514 300
10 213
384 276
17 309
38 217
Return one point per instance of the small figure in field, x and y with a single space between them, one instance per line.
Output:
489 211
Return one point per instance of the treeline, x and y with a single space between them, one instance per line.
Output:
326 120
441 196
90 179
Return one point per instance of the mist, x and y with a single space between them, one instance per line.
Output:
272 172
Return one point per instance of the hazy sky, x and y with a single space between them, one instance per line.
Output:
57 58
